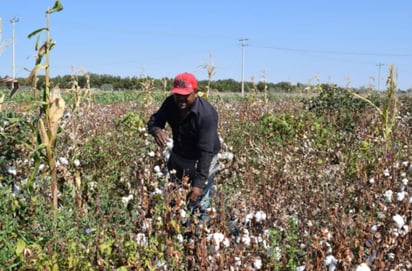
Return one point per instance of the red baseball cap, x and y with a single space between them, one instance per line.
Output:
184 84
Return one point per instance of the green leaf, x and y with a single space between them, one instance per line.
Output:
36 32
20 246
56 8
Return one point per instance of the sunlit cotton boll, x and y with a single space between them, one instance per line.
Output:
226 156
158 171
166 154
156 191
63 161
362 267
260 216
151 153
248 218
183 215
169 143
180 238
12 170
76 162
126 199
257 263
386 172
388 195
330 262
400 196
156 168
141 239
399 222
216 238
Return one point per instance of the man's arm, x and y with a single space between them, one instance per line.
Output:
157 123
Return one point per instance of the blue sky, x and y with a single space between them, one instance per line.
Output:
324 41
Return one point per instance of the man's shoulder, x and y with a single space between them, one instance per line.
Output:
206 104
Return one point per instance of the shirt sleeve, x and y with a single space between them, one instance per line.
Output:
157 121
206 145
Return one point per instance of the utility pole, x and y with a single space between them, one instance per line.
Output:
13 22
243 43
379 75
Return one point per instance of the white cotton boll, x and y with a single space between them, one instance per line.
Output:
141 239
41 167
386 172
12 170
248 218
151 153
229 156
226 242
257 263
399 222
391 256
260 216
301 268
16 190
238 261
126 199
169 143
141 129
180 238
147 224
331 262
76 162
405 181
63 161
166 154
388 195
405 230
362 267
400 196
245 239
272 252
182 216
159 174
372 180
410 200
216 238
157 191
374 228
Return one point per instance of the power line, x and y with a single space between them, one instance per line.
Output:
332 52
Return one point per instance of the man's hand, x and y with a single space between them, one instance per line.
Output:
161 138
194 194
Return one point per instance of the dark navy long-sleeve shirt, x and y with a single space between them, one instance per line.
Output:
195 137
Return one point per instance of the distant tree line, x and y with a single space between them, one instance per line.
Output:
117 83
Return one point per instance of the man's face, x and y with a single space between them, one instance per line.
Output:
185 101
